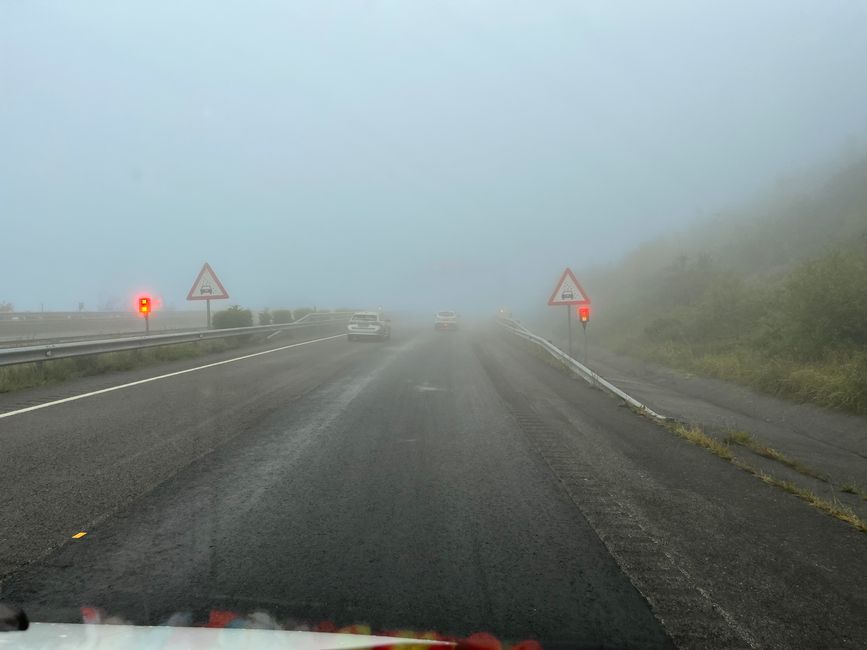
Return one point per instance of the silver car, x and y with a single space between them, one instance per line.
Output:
368 325
446 320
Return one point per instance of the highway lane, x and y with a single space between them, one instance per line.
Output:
380 483
73 464
452 481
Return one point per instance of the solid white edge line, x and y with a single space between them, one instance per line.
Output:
158 377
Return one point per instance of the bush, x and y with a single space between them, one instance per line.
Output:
665 329
234 316
282 316
799 334
302 312
265 317
824 306
773 296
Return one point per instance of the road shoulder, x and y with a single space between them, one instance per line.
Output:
782 572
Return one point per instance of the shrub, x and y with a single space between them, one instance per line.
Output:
662 330
824 305
282 316
266 317
234 316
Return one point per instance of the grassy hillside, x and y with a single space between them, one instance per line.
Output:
774 297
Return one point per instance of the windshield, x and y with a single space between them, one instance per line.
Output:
637 418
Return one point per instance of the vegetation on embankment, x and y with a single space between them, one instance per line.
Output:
28 375
774 297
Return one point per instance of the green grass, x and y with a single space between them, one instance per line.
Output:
833 508
29 375
746 440
852 488
698 437
837 382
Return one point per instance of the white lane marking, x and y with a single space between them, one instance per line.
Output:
426 387
158 377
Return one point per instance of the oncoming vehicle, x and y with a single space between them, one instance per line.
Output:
368 325
446 320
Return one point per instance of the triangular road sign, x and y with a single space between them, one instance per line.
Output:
207 286
569 291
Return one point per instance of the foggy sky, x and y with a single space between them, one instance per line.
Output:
408 154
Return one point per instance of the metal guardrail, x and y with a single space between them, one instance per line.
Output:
49 352
579 369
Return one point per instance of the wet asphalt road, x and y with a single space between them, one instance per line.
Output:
384 483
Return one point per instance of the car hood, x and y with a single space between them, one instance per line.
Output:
69 636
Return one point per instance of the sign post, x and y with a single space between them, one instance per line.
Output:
569 292
207 287
584 317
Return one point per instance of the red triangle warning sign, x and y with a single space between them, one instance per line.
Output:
569 291
207 286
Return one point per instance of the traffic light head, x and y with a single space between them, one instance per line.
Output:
584 313
144 305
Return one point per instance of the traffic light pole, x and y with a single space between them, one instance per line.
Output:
147 323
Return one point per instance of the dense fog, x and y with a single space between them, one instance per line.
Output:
406 154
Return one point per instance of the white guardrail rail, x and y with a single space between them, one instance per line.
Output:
48 352
579 369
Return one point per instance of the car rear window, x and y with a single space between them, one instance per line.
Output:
365 317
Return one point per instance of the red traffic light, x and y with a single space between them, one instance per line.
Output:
584 313
144 306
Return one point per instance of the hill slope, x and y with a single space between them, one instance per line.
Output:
774 297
